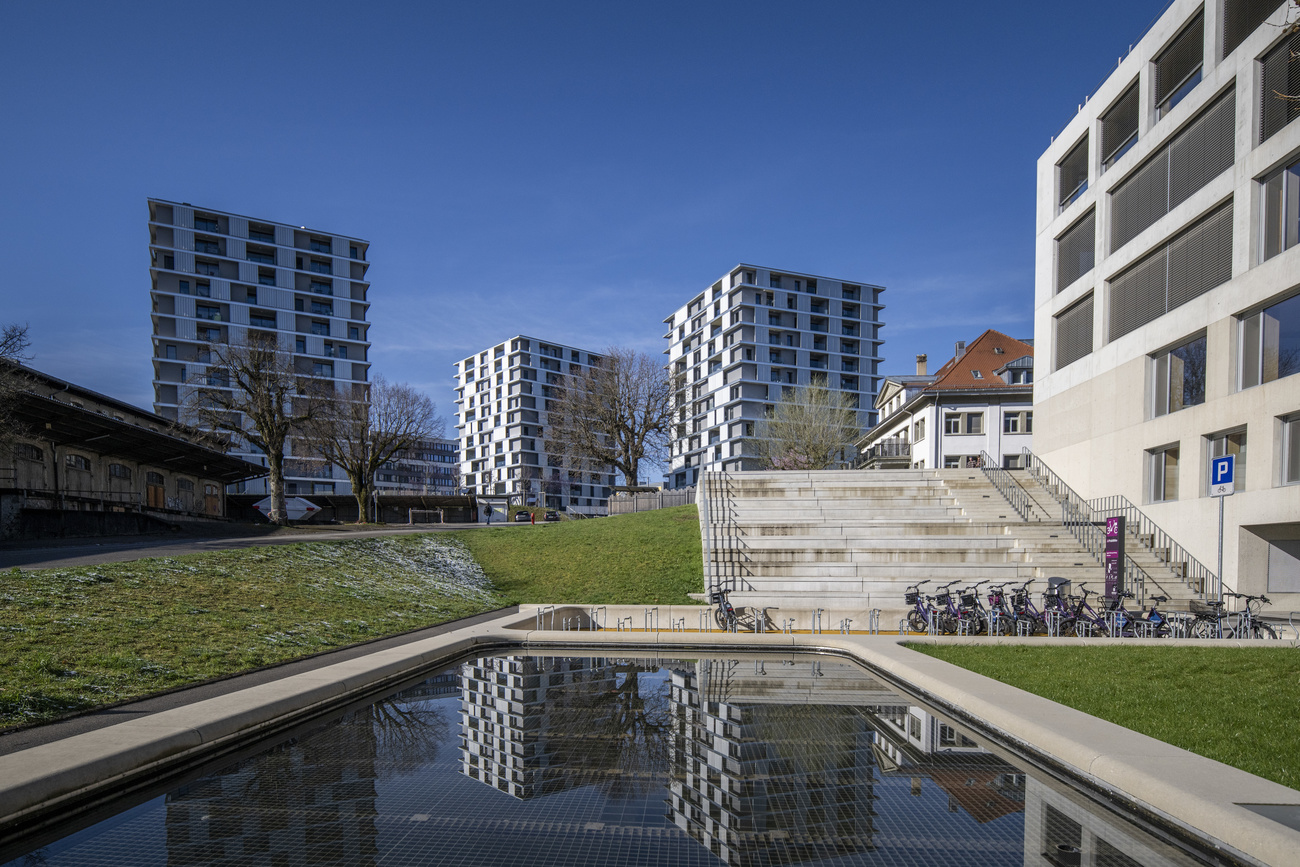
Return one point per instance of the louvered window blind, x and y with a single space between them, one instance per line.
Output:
1180 62
1075 250
1074 333
1190 264
1241 17
1073 173
1201 152
1281 78
1119 127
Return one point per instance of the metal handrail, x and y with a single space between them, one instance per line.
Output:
706 530
1083 522
1194 573
1006 485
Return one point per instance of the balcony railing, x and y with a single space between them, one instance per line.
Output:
263 237
890 448
321 267
207 247
261 258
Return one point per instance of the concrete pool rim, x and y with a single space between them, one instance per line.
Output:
1196 798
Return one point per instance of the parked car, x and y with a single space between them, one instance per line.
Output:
523 517
552 515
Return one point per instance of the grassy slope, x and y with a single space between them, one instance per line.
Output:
80 637
1234 705
650 557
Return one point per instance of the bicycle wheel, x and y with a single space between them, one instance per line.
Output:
916 621
947 624
1263 630
1203 628
720 615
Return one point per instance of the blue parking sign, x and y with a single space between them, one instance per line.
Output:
1222 475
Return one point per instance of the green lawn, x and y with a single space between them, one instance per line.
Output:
1235 705
649 557
75 638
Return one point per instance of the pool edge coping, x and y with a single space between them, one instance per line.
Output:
1191 791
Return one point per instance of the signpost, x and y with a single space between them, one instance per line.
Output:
1114 556
1223 472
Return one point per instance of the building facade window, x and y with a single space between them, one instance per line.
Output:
1073 335
1228 443
1280 217
29 452
1119 127
1178 68
1241 17
1270 343
963 423
1076 250
1072 174
77 462
1162 474
918 430
1178 377
119 471
1291 449
1279 85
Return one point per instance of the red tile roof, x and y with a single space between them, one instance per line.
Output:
982 356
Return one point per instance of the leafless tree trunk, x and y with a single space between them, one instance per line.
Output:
14 347
813 429
250 391
617 413
362 434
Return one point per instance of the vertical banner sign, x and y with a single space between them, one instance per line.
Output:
1114 556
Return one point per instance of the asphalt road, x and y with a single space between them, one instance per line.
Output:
83 552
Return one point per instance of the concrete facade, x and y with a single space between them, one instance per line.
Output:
217 277
1166 309
980 401
501 402
753 337
432 466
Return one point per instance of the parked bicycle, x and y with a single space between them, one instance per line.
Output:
1002 617
1213 620
918 619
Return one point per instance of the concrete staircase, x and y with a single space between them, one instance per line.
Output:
848 541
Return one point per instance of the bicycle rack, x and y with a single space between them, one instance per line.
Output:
651 614
1022 629
760 667
761 625
677 624
817 669
817 621
787 625
964 626
1053 624
621 621
873 622
704 620
844 626
1112 623
904 628
932 621
1179 625
540 615
598 616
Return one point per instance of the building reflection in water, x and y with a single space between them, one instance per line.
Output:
309 800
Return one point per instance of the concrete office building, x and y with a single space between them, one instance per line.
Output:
501 402
752 338
979 402
1167 300
217 277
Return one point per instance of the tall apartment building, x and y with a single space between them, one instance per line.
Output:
217 277
428 467
501 403
751 339
1167 288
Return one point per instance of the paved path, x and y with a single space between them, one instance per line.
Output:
85 552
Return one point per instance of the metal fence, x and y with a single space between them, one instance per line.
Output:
625 504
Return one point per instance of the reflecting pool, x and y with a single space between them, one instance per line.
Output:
595 760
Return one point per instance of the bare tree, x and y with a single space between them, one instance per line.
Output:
811 429
14 347
616 413
361 435
251 391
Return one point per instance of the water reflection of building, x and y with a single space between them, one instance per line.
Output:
1061 830
527 722
767 771
914 743
312 799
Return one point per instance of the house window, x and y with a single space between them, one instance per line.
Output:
203 311
354 332
1072 174
322 308
184 286
321 288
210 335
1162 474
29 452
265 277
320 267
1281 206
320 327
1011 423
169 262
170 352
1291 449
323 368
343 352
354 252
77 462
1270 343
918 430
1241 17
951 462
1178 377
952 424
322 487
300 344
774 280
1119 127
119 471
1279 86
1076 250
1230 443
319 246
206 224
1178 68
261 319
265 234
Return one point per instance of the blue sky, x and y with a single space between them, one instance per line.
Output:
571 170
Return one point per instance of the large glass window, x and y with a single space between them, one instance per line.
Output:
1178 377
1162 474
1270 343
1178 68
1119 127
1279 85
1281 209
1291 449
1229 443
1072 174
